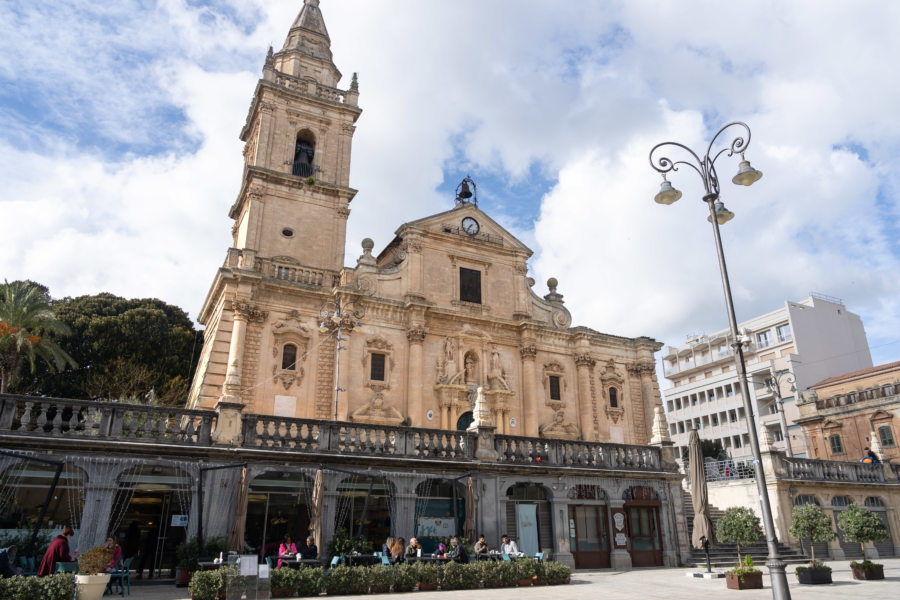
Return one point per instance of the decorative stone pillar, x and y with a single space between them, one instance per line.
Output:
528 353
559 511
584 364
415 335
484 428
648 398
620 558
230 404
835 552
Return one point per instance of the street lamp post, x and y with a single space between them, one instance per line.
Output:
774 386
719 215
336 319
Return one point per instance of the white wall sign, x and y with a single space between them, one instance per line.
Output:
620 539
619 520
436 527
179 521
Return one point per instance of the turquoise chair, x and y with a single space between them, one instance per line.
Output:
121 577
335 560
270 562
67 567
504 556
539 557
385 560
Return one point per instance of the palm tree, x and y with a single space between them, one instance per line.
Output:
26 321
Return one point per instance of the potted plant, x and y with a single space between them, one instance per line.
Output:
458 576
405 578
430 576
540 573
740 526
91 580
527 571
343 580
557 573
489 573
283 582
188 555
381 578
208 585
809 522
309 581
860 525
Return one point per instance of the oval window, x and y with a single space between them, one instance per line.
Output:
287 232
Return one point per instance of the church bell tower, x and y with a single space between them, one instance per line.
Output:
294 199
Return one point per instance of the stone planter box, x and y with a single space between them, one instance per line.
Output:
814 576
875 572
752 581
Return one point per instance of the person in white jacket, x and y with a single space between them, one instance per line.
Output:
508 546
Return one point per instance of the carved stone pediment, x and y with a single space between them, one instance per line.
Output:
560 428
615 413
610 376
377 412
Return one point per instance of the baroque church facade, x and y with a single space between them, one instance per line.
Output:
445 309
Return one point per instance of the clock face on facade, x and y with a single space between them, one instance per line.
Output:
470 225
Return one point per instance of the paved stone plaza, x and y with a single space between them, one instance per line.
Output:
647 584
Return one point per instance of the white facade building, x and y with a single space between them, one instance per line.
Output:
802 343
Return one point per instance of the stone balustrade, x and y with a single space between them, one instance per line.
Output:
297 273
84 419
558 452
306 86
808 469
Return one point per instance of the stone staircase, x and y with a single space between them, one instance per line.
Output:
724 556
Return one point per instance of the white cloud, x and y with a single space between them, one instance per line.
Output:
581 90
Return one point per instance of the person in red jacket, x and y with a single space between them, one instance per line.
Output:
57 552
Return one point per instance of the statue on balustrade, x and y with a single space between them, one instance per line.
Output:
377 412
560 428
496 378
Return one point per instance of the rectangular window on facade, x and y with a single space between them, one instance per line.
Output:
886 436
376 367
554 388
784 333
779 437
762 339
469 285
836 446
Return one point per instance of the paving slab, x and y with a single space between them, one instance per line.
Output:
644 584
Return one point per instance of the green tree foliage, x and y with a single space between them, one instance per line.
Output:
739 526
27 329
133 350
809 522
861 525
712 449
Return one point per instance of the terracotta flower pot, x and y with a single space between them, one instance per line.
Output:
525 582
874 572
427 586
752 581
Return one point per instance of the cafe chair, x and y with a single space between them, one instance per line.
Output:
385 560
335 561
539 557
270 562
121 577
504 556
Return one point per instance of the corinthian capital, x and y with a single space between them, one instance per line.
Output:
528 352
415 334
584 360
248 311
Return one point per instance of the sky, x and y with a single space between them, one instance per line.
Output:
120 157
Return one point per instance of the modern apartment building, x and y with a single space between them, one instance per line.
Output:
798 345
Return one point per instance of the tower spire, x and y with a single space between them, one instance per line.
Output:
310 19
307 48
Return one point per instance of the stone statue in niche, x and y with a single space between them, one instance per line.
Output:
471 377
559 428
496 378
449 357
376 411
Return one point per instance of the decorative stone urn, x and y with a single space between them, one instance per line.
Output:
91 587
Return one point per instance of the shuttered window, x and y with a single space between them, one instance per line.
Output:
469 285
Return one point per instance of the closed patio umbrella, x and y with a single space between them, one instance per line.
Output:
703 530
238 525
317 508
469 527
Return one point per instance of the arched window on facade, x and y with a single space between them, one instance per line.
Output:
304 153
805 499
289 357
877 506
613 397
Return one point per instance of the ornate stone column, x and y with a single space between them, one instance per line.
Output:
619 557
584 363
528 352
559 511
415 335
647 370
230 404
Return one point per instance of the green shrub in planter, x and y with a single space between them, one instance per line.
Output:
509 575
430 574
60 586
557 573
208 585
381 578
489 572
346 580
309 581
861 525
22 588
283 582
405 578
458 576
739 526
526 568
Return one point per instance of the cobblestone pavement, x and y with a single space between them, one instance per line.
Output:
644 584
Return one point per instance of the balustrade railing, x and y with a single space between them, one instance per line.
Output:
297 273
829 470
85 419
598 455
305 86
261 431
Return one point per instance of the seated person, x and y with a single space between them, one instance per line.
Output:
58 551
397 550
310 551
509 546
388 546
8 562
414 548
457 551
441 551
117 554
287 549
481 546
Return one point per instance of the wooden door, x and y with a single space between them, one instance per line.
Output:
644 541
589 536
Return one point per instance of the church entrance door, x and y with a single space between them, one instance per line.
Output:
589 536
